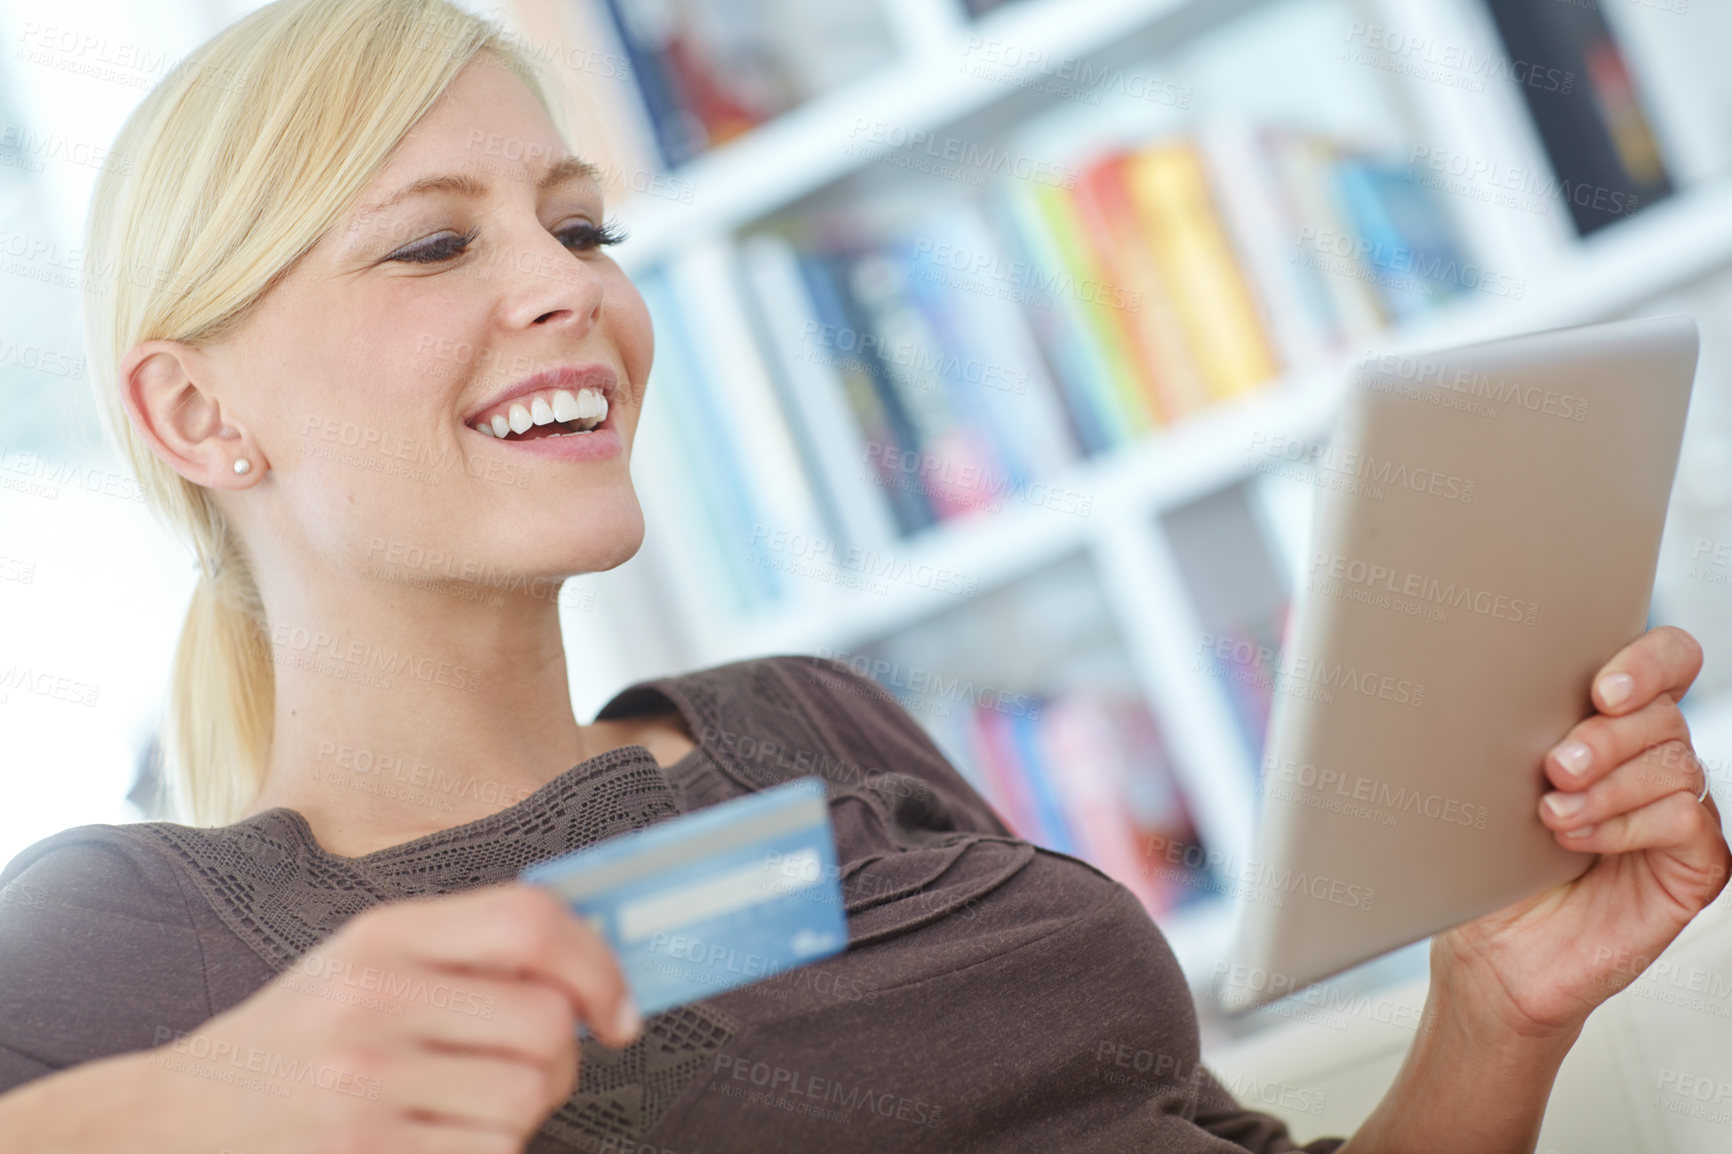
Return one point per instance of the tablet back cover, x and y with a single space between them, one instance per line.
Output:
1487 540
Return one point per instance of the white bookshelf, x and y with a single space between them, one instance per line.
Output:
810 153
745 181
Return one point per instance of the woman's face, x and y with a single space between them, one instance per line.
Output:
366 376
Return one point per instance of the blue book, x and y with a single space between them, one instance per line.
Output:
883 420
1412 248
929 287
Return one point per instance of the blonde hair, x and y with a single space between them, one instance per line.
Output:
235 165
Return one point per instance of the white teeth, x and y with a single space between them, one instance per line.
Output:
586 405
592 403
484 427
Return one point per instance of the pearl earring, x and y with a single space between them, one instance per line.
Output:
243 466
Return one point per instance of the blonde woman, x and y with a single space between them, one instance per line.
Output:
350 310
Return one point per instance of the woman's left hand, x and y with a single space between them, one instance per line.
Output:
1626 782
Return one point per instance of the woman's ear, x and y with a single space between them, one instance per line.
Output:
167 389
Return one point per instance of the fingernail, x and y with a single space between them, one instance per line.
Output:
1565 804
1582 832
1615 688
628 1022
1574 757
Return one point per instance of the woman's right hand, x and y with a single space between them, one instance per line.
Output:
442 1025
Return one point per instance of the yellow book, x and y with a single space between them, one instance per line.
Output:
1170 188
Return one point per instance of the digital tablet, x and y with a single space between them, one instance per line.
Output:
1486 541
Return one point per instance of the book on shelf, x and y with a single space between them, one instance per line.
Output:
898 322
709 71
1071 355
1053 231
1586 107
1204 281
1260 224
1085 773
814 393
984 353
1408 241
646 34
1134 302
1340 303
888 432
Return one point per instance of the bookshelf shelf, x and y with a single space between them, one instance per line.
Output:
1164 470
779 163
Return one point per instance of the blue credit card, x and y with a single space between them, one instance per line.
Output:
712 900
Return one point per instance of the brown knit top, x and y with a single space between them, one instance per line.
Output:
988 999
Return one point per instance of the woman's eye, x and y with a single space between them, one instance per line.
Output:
441 248
584 235
581 236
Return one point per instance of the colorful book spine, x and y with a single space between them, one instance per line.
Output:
889 432
708 100
1166 834
949 440
832 439
1139 300
1060 331
994 355
1088 776
985 348
1080 269
1171 189
1290 309
1305 166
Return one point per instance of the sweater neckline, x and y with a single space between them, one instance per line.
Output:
609 762
603 764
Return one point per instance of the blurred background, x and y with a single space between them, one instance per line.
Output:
998 349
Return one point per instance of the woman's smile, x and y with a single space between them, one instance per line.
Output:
565 412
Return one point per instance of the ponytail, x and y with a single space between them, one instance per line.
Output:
223 691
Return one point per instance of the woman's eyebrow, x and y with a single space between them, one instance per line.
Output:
566 170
